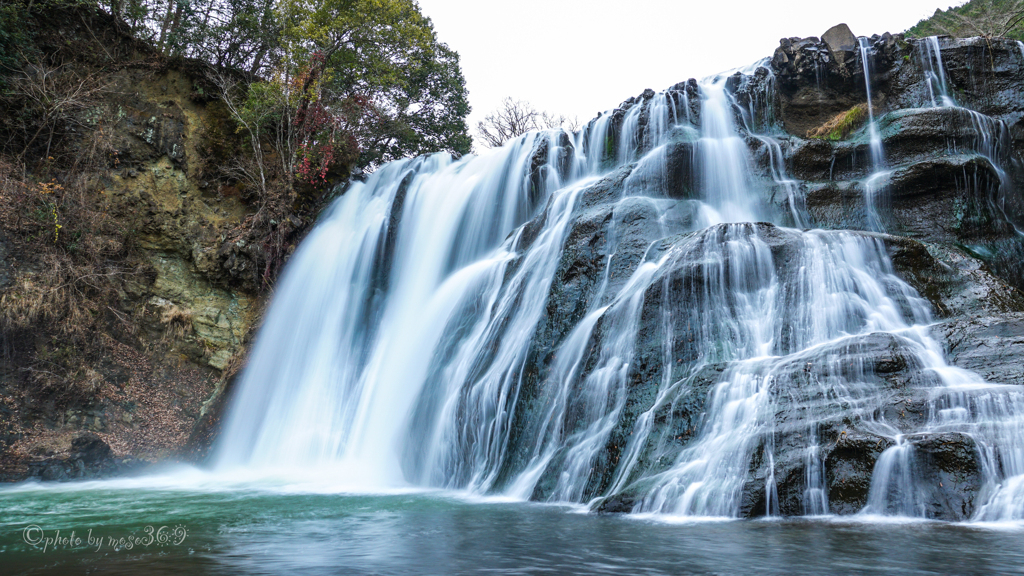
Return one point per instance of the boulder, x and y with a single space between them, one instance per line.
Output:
839 38
90 457
849 467
950 469
840 41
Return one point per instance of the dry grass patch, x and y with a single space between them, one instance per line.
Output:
842 124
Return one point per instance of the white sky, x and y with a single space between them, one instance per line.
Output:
578 57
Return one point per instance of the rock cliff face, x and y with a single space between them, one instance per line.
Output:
771 292
950 203
182 286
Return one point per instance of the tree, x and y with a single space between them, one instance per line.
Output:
385 55
15 37
241 34
988 18
353 81
517 117
423 114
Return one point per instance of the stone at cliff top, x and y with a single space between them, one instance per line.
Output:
839 38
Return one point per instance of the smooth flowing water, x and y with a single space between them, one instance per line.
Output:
417 341
398 349
874 185
935 73
963 402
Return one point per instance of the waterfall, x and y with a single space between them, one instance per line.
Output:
992 138
875 183
777 166
724 158
616 313
350 338
935 73
844 291
990 414
875 139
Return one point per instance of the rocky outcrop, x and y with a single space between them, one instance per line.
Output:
948 196
89 458
171 282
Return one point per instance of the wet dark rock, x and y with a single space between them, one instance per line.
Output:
982 74
991 346
541 164
914 134
908 136
882 372
617 504
849 467
813 84
608 239
950 198
693 99
680 174
90 458
951 475
812 159
946 467
836 205
605 190
90 448
674 424
949 205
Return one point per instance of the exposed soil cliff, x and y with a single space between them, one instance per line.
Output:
133 269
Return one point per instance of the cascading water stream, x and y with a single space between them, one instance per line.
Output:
992 136
962 402
876 181
875 139
353 331
777 165
402 344
935 73
724 158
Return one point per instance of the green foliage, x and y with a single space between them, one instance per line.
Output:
386 52
241 34
975 18
425 112
398 90
339 82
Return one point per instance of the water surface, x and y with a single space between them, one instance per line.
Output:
288 530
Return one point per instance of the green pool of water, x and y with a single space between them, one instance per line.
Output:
159 527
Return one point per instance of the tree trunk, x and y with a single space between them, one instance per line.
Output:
167 23
174 26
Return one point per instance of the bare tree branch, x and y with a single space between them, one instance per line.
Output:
517 117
